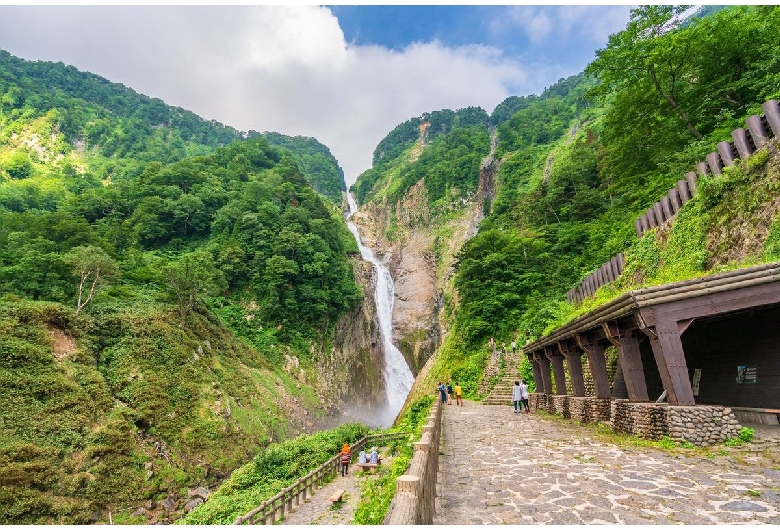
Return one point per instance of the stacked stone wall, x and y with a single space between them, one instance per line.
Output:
702 424
537 401
559 405
699 424
589 409
640 419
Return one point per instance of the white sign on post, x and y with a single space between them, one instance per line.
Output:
695 383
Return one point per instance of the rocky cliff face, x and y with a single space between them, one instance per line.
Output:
419 247
352 370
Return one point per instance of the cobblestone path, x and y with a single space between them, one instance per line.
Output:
498 467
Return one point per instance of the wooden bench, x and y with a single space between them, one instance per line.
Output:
336 497
367 466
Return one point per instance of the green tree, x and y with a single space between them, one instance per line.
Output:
93 268
191 277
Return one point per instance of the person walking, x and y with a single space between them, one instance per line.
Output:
346 456
514 346
458 394
443 392
449 394
524 397
517 397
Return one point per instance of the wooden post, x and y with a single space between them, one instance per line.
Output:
772 114
651 218
659 213
666 206
558 370
544 373
726 152
597 362
670 358
757 131
537 371
715 163
574 363
682 188
702 169
630 360
674 200
741 143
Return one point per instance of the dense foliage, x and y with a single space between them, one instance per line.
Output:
583 160
316 162
131 233
458 141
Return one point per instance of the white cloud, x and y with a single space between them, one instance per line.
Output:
541 24
284 69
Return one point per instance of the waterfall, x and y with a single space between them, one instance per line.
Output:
398 376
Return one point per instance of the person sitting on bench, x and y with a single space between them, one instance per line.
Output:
362 458
374 458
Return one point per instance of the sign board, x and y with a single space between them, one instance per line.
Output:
695 382
747 375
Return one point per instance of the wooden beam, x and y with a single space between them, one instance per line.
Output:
670 358
544 372
574 364
630 360
558 370
597 362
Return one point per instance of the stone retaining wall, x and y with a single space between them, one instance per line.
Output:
698 424
589 409
560 405
414 502
537 401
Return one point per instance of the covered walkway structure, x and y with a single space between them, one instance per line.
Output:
711 344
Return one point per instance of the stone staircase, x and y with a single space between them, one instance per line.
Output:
501 393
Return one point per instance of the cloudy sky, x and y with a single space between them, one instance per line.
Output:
345 75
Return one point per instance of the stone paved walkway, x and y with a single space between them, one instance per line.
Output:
504 468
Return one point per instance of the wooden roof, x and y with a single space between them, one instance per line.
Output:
689 299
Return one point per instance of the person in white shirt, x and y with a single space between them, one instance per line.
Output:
517 397
524 397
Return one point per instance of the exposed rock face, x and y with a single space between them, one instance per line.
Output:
352 371
420 249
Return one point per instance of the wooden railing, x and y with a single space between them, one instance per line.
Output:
415 492
283 502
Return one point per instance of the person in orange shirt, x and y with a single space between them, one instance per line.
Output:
346 456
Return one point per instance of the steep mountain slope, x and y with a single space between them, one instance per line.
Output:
581 162
419 203
231 308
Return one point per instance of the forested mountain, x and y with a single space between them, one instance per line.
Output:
170 291
579 163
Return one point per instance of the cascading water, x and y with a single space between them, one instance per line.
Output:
398 377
